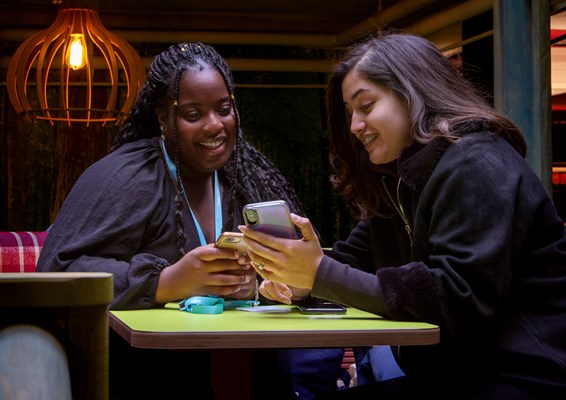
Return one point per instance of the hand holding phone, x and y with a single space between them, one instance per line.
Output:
232 240
271 217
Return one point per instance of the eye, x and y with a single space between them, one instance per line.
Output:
192 115
366 107
225 110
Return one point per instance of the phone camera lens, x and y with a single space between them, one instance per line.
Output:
251 216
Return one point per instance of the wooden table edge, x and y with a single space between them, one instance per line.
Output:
264 339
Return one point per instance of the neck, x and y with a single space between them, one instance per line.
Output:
203 196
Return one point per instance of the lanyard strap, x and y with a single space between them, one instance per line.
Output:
203 305
217 199
212 304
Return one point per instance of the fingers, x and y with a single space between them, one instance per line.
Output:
243 259
272 243
228 279
215 259
246 291
210 253
262 265
276 291
264 239
305 226
259 267
223 284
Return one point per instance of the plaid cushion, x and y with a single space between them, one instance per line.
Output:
19 251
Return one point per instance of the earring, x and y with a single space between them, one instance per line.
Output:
162 132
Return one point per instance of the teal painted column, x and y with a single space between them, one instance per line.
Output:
522 75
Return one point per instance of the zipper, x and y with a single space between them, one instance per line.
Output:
399 207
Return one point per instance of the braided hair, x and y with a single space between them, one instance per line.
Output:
249 175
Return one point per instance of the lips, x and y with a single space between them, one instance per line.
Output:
212 144
368 139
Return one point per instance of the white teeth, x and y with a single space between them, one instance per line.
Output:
368 139
214 143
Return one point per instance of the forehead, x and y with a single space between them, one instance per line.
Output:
355 84
202 82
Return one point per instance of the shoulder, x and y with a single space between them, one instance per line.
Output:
132 160
483 151
483 163
134 168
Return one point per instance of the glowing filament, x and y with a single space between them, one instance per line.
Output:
76 52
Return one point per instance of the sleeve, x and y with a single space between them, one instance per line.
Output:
346 273
116 220
339 282
356 249
473 221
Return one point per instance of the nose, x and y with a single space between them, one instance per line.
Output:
212 124
357 125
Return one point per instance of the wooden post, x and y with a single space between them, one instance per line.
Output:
522 76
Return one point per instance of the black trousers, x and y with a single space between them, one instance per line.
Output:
405 388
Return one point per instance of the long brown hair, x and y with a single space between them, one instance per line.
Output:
439 100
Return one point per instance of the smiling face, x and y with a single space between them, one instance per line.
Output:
378 118
206 123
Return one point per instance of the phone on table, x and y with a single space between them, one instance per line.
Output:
272 217
232 240
326 307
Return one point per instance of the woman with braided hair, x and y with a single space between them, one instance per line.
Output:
149 212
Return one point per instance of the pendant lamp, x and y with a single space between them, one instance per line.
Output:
75 72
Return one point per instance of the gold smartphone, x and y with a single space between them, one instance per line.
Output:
232 240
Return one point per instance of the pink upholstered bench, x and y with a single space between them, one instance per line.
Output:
19 251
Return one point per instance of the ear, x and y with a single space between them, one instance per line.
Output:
161 116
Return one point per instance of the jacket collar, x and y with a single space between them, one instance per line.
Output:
417 161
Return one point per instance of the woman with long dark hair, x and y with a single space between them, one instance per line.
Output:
456 229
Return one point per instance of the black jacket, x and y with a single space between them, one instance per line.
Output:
120 218
487 264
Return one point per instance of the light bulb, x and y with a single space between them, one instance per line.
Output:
76 52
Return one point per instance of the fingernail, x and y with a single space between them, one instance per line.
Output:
247 279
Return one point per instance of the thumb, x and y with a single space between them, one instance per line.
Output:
305 226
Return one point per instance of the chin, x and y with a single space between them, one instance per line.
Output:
381 158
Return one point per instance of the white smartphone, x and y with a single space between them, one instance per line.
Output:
232 240
272 217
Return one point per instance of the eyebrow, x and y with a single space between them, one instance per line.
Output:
358 92
220 101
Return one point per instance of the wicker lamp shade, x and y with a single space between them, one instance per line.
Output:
102 90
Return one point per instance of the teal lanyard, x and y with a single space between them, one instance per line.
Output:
212 304
217 200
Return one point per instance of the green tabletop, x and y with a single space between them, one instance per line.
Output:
172 328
